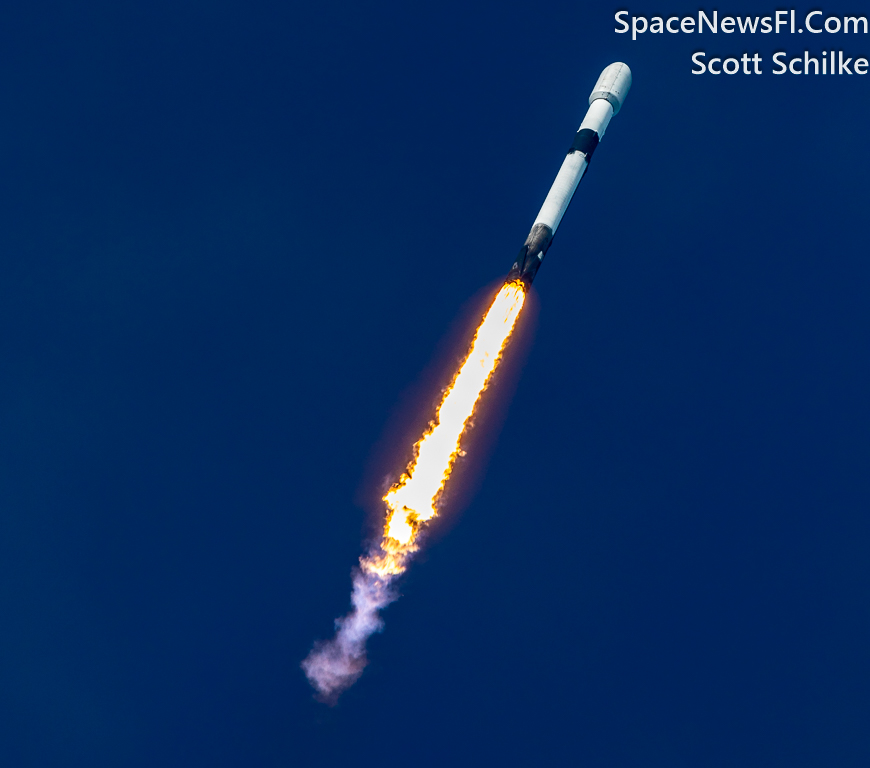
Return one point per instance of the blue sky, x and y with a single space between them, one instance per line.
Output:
242 244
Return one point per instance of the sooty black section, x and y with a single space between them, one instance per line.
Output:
585 141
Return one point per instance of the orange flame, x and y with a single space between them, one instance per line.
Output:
414 498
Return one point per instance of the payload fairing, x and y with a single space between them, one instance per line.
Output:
604 103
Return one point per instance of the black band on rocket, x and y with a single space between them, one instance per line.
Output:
585 141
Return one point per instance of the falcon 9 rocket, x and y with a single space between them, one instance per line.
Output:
606 99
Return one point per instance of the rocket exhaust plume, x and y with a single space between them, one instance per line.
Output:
334 665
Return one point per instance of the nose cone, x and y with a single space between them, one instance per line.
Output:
613 85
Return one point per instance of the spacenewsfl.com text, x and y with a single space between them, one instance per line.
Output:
780 22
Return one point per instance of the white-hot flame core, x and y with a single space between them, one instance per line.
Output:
414 498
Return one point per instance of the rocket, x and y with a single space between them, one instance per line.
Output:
606 99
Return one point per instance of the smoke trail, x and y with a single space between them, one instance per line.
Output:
335 665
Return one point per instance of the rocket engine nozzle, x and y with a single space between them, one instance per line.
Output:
531 255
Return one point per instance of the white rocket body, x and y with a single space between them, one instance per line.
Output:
605 101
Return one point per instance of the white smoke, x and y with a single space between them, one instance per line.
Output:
335 665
